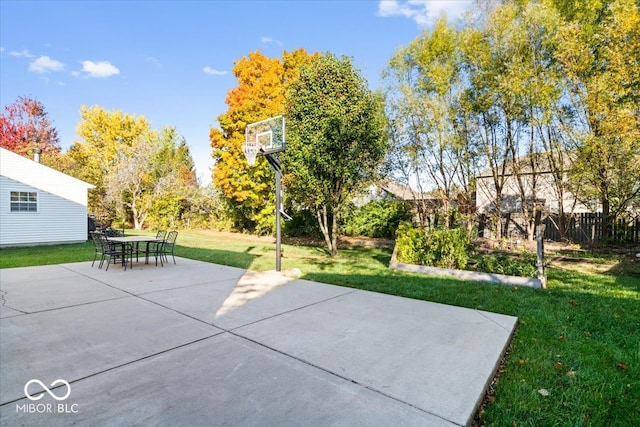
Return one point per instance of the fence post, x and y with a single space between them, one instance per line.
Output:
540 253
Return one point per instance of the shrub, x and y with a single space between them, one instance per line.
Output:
438 247
448 248
303 223
410 244
525 265
375 219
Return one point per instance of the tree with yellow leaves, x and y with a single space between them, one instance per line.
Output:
260 94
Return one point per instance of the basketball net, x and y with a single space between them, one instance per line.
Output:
251 150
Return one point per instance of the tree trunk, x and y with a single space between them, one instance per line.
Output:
329 236
607 229
333 251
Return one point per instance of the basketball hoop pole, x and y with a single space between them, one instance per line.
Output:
267 137
275 164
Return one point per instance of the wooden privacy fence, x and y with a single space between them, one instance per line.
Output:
582 228
587 228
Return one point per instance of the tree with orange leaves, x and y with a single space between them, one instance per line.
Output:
260 94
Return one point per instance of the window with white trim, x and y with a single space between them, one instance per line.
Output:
24 201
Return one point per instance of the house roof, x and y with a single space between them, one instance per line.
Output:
402 192
542 165
36 175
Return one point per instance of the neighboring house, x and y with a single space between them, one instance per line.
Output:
394 190
39 205
540 190
419 203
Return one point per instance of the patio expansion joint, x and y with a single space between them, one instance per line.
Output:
234 332
287 311
195 285
484 314
140 297
342 377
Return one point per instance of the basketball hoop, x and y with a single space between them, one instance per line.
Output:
266 138
251 150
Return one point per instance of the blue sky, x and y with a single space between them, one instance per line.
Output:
171 61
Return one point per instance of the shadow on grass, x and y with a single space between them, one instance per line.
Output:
629 266
217 256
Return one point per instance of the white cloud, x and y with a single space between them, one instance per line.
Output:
44 64
24 53
213 72
102 69
269 40
154 61
423 12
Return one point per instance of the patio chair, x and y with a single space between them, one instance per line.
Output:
113 232
115 251
155 248
168 246
97 246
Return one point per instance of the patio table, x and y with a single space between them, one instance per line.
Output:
137 240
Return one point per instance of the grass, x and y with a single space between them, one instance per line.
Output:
579 339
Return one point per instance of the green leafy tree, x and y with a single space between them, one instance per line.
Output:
424 84
336 139
514 87
600 55
155 178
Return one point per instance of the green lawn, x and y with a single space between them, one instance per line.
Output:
579 339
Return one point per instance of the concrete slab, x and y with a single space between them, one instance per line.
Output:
284 351
76 342
31 274
229 305
222 381
435 357
58 292
150 278
294 296
8 312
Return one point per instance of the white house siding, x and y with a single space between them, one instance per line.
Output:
57 219
62 203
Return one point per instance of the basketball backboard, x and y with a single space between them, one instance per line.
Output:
268 135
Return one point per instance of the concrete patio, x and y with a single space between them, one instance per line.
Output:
202 344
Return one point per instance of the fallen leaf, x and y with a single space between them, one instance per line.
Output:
522 361
621 366
562 338
544 392
557 365
571 374
573 303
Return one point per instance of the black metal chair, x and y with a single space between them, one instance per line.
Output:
97 246
112 233
155 248
168 246
115 251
